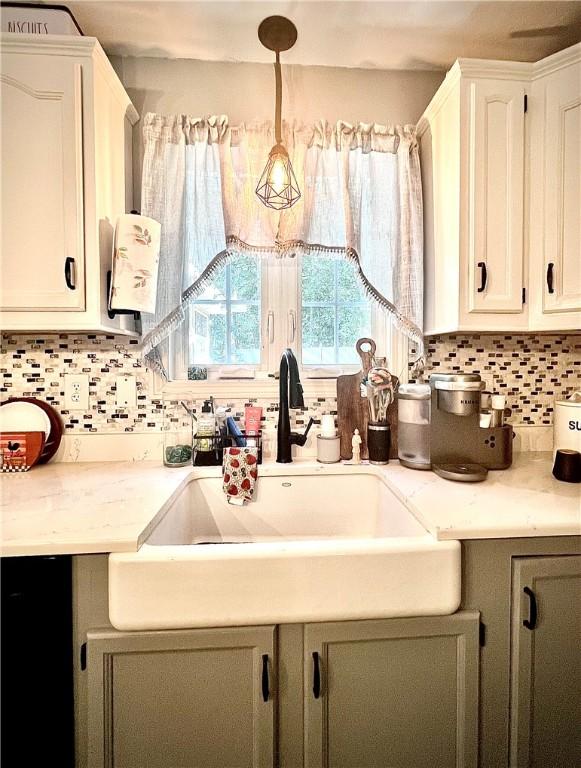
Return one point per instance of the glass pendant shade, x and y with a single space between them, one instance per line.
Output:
278 186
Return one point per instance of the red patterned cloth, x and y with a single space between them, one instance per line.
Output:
240 470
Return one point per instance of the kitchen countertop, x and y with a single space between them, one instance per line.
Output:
76 508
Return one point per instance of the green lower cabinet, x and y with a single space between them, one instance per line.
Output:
545 722
398 693
395 693
181 699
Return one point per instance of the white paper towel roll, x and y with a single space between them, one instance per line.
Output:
135 263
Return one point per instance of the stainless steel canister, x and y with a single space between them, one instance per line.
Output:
413 430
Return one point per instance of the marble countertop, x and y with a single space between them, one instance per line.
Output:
524 500
75 508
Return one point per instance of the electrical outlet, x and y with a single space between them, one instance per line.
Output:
125 391
76 391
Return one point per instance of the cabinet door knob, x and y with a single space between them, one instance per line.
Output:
483 276
550 275
316 676
70 273
264 679
531 622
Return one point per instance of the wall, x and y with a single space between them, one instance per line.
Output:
245 92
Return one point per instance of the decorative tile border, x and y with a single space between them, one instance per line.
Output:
532 370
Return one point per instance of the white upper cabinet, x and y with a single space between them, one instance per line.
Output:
66 130
501 156
42 185
555 231
493 159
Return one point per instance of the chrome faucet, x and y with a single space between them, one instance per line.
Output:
290 396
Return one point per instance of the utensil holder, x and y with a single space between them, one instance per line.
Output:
378 442
209 449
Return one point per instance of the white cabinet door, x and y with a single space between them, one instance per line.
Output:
42 256
562 191
493 159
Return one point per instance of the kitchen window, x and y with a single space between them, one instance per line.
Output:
253 308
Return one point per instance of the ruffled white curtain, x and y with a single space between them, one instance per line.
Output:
361 200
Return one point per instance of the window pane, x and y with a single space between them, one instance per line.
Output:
224 330
349 289
318 329
216 289
245 278
245 336
335 312
318 279
353 323
207 333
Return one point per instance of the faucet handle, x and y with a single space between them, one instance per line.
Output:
302 439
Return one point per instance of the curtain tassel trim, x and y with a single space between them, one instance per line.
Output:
286 249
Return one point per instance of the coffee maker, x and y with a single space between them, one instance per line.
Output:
460 449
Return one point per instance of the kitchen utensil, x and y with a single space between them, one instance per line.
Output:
380 393
19 451
567 467
21 414
352 408
366 355
352 412
18 416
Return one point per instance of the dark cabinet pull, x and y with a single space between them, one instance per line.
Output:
483 276
531 622
316 676
69 265
550 269
265 688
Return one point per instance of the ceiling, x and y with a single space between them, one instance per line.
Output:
421 34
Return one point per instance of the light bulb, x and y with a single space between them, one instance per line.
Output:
278 176
278 186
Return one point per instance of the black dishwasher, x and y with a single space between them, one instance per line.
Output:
37 716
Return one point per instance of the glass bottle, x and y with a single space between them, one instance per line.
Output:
177 433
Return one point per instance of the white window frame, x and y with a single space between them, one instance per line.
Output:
281 325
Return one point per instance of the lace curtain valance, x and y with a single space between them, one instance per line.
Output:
361 200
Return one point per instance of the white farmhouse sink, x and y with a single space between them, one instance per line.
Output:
317 543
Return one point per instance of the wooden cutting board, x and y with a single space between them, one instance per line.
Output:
353 410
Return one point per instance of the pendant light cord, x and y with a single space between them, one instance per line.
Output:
278 100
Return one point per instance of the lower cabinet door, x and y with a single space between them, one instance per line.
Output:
397 693
545 699
181 699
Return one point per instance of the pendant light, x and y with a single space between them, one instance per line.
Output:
278 186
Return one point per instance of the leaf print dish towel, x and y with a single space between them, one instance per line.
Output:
240 470
135 263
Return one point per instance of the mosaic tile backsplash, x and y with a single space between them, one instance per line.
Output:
532 370
36 366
